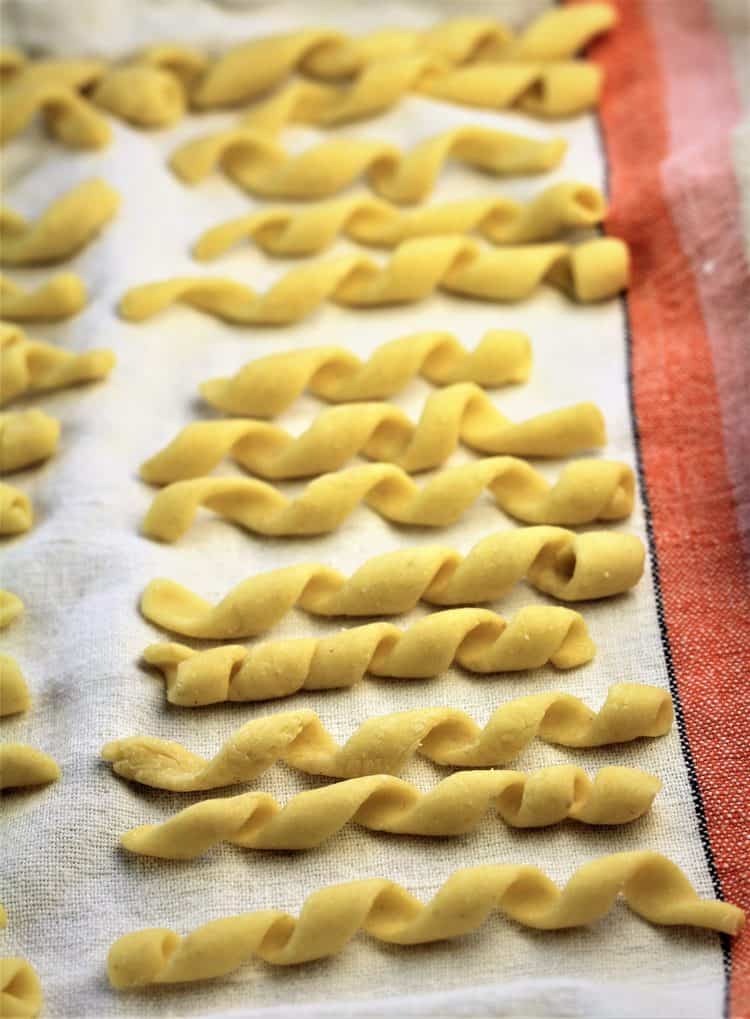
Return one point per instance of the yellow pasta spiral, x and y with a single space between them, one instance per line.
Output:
21 765
455 806
14 691
11 608
26 437
20 990
59 297
16 513
30 366
592 271
372 221
476 639
267 386
387 743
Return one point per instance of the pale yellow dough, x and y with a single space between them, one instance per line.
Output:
455 806
26 437
20 990
16 513
291 231
65 227
475 639
572 567
265 387
592 271
259 163
386 744
62 296
585 491
11 608
14 691
377 431
30 366
21 765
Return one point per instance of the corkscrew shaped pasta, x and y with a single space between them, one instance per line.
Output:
455 806
26 437
253 68
65 227
11 608
14 691
265 387
21 765
16 514
572 567
259 164
378 431
62 296
20 990
386 744
368 220
586 491
30 366
476 639
592 271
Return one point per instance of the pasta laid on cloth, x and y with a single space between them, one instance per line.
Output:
292 231
462 413
62 296
455 806
11 608
653 887
572 567
475 639
265 387
20 989
585 491
593 271
14 691
26 437
386 744
65 227
21 765
257 162
16 513
30 366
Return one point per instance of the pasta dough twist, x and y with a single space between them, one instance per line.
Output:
26 437
65 227
11 608
14 691
253 68
30 366
20 990
62 296
259 164
592 271
572 567
267 386
21 765
386 744
378 431
586 491
16 514
368 220
477 640
455 806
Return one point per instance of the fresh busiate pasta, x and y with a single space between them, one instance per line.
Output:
30 366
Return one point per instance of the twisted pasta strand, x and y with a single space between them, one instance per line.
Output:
11 608
60 297
259 164
16 513
369 220
455 806
20 990
378 431
14 691
586 491
569 566
26 437
386 744
253 68
592 271
21 765
267 386
30 366
477 640
66 226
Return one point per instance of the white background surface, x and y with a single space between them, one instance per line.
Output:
68 889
